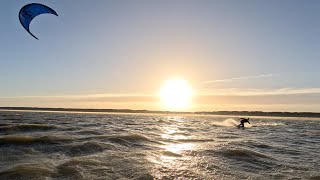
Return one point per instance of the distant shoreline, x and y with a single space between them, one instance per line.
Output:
232 113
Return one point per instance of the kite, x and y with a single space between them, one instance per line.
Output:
30 11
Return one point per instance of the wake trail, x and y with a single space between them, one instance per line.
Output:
230 122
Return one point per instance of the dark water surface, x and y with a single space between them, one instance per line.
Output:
45 145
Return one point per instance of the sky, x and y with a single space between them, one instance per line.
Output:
236 55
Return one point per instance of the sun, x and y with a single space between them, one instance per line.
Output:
176 94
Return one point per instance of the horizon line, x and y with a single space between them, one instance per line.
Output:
57 109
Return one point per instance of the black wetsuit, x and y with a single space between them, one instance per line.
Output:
243 120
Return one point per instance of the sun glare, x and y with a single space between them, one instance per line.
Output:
176 94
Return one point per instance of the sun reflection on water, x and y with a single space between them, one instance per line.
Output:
172 150
179 148
171 158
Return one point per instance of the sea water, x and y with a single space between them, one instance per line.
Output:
49 145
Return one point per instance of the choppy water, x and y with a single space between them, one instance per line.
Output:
43 145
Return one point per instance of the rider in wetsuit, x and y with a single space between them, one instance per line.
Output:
243 120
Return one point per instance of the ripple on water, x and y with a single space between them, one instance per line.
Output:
82 146
241 153
241 160
122 139
15 128
110 166
172 154
25 140
27 171
87 148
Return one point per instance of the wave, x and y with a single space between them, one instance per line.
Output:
126 140
235 153
314 177
89 132
180 134
255 144
196 140
25 140
251 161
132 138
230 122
241 153
71 170
87 148
117 166
26 127
270 124
172 154
27 171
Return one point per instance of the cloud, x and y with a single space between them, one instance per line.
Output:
239 78
289 99
110 95
259 92
115 98
109 101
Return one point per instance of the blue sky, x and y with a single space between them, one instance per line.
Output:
128 48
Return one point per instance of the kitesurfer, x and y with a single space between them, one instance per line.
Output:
243 120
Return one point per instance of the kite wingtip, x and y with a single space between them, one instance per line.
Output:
34 36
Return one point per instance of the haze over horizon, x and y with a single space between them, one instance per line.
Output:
235 55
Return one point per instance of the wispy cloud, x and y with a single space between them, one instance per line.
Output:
84 96
117 101
283 99
260 92
239 78
150 96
